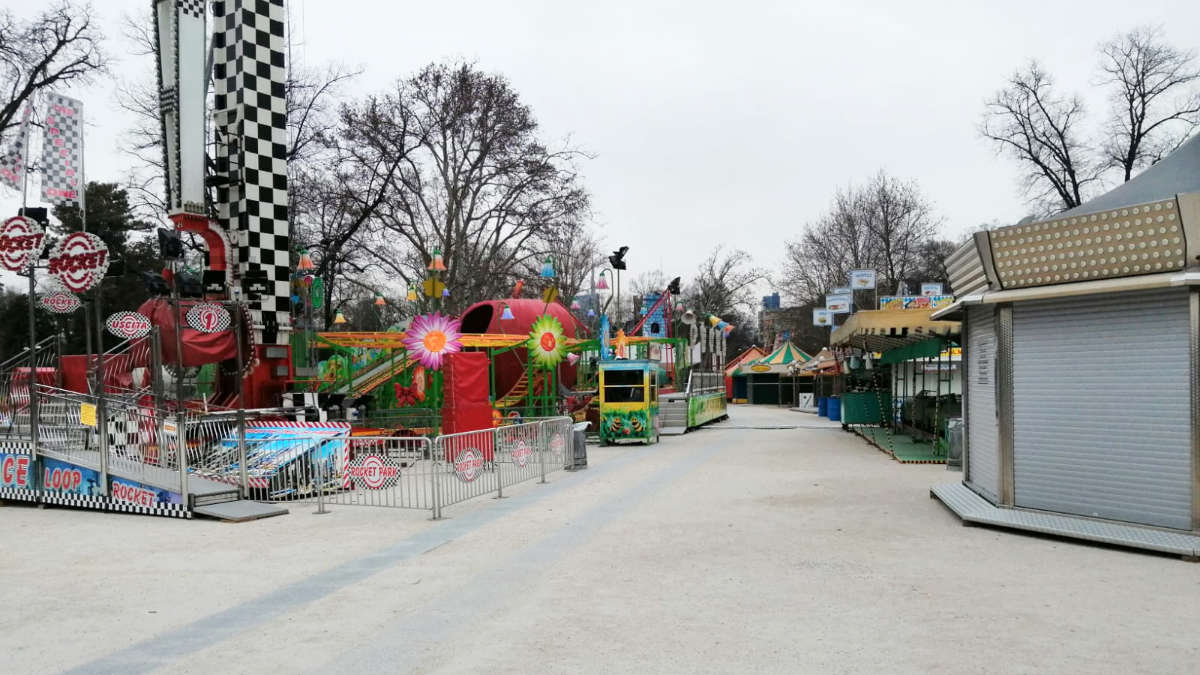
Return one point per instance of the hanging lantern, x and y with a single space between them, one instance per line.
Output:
445 292
728 328
412 295
507 314
572 359
306 262
603 283
721 325
436 264
591 312
548 269
575 305
712 320
339 318
679 308
379 301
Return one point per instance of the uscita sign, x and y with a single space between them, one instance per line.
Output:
128 325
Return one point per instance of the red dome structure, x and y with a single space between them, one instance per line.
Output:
485 317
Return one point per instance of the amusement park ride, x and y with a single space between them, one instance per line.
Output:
102 430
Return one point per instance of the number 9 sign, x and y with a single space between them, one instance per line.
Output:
208 318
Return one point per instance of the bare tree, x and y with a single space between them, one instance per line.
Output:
575 253
1155 106
724 284
59 47
1038 127
336 199
899 220
885 225
480 186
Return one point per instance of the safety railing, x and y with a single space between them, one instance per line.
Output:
135 443
464 467
360 471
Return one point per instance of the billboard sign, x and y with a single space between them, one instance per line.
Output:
862 280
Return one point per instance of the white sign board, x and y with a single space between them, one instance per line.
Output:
838 303
862 280
822 317
930 289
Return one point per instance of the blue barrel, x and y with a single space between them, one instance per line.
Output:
823 406
835 409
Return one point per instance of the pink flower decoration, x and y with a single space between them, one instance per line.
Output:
431 337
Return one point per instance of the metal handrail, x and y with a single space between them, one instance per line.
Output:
24 354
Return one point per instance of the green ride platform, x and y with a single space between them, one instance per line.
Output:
902 447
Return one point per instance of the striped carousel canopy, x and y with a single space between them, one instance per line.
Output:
778 361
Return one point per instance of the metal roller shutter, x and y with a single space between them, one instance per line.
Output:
983 461
1101 407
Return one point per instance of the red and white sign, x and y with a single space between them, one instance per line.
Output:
60 302
67 480
468 464
521 453
14 471
130 494
21 241
372 473
128 325
208 318
79 260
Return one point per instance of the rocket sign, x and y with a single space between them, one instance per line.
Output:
21 242
79 260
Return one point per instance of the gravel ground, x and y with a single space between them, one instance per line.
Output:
774 542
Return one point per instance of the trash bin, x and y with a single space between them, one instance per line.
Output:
823 406
954 443
835 409
578 459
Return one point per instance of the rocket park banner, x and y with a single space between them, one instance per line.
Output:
62 150
12 158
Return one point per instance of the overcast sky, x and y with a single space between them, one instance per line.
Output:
721 123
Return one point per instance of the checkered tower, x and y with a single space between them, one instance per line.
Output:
250 123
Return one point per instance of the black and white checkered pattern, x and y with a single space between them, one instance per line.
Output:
19 494
62 150
250 111
16 447
127 435
75 499
168 510
98 503
193 7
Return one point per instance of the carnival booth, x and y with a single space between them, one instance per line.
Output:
776 379
736 382
899 390
1060 437
825 370
628 401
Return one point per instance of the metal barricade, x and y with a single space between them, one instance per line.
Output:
520 454
394 472
465 467
558 435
